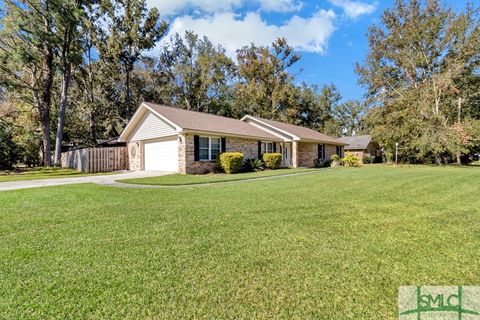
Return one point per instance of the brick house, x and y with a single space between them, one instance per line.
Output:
177 140
361 146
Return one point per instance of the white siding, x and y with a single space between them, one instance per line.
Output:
151 127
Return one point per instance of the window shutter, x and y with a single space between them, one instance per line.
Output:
196 148
323 153
259 149
224 145
274 146
319 150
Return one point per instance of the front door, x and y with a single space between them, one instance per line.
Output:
287 155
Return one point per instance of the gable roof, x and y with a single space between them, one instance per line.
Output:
186 120
297 132
357 142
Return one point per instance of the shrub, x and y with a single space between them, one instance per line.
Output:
231 162
388 157
322 163
272 160
377 159
253 165
366 159
8 149
351 160
335 160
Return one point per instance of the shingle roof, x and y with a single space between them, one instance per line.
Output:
357 142
199 121
301 132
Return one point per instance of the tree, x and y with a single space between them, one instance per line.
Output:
197 75
266 87
28 45
132 29
314 109
349 116
415 59
69 15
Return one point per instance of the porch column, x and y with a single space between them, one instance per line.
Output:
295 154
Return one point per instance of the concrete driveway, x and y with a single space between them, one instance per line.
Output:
98 179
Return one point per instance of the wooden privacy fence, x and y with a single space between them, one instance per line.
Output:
96 159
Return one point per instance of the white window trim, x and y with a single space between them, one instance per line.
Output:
209 147
265 144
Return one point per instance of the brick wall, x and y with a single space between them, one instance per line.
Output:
248 147
187 163
186 158
308 152
329 151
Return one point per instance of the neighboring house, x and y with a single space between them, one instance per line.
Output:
361 146
177 140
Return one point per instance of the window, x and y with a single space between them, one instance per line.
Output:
214 148
204 147
339 151
321 151
209 148
267 147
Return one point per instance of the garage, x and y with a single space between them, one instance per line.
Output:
161 155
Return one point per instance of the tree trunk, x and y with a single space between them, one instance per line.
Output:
45 108
90 96
46 97
61 114
46 150
127 97
459 119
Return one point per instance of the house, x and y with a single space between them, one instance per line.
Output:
177 140
361 146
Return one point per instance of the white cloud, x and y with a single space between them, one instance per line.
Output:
280 5
354 9
233 32
170 7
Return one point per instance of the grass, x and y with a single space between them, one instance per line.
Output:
44 173
475 163
335 244
191 179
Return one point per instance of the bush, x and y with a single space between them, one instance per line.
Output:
253 165
335 160
351 160
231 162
322 163
335 157
272 160
388 157
9 154
367 159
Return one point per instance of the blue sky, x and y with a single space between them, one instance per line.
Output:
330 35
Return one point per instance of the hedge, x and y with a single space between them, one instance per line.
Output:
272 160
231 162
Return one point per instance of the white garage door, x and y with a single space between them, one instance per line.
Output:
162 156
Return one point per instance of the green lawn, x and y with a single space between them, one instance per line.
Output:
190 179
43 173
335 244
